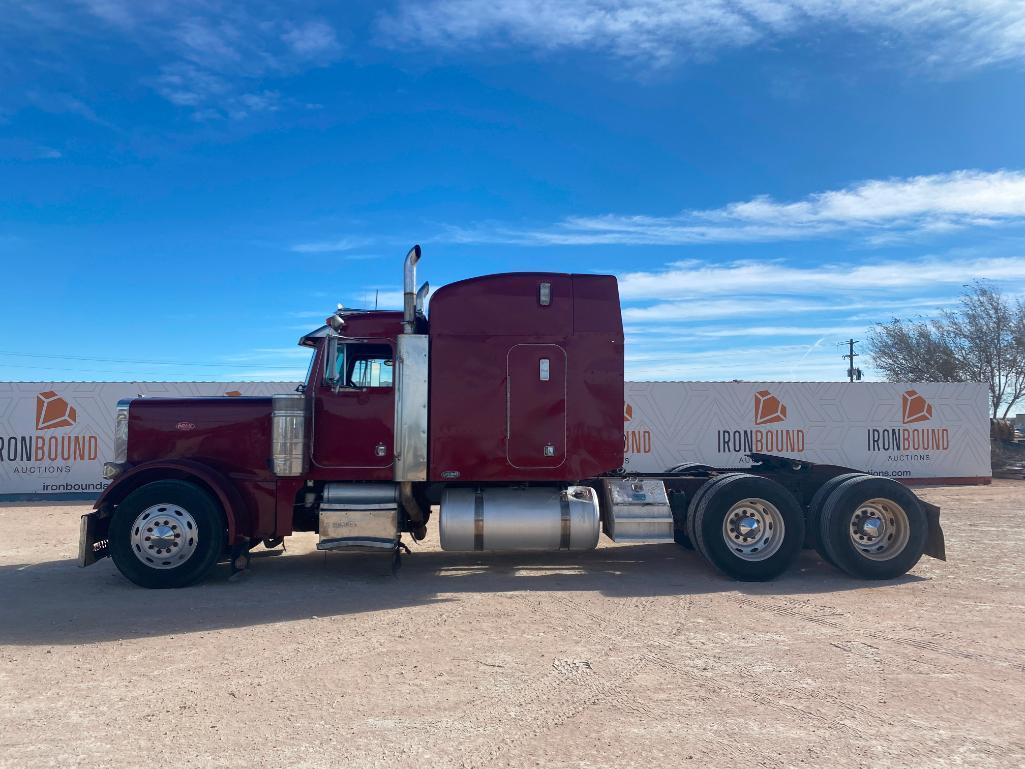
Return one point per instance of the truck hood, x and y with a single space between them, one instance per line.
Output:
232 434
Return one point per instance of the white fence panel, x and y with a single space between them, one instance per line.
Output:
913 431
55 436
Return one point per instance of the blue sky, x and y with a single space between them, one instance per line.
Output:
185 187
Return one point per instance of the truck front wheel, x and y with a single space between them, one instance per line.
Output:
166 534
749 527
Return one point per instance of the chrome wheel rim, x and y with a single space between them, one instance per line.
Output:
879 529
164 536
753 529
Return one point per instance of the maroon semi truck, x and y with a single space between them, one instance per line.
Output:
503 410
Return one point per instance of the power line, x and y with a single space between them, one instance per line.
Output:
132 371
853 372
143 362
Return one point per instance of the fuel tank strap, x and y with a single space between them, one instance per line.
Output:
478 520
564 534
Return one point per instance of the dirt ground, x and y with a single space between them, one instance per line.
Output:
621 657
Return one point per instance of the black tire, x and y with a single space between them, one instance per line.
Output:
709 523
837 522
209 527
703 489
811 528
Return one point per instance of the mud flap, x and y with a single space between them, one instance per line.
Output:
92 539
934 544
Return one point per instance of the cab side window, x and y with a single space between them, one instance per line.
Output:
362 366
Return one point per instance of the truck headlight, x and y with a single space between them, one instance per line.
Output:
121 431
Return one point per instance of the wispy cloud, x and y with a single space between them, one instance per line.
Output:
329 246
813 361
216 60
20 149
690 279
644 335
939 33
701 320
877 208
694 291
314 40
59 103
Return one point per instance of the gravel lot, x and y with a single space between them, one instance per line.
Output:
621 657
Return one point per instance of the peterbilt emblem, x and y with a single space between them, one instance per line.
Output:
185 426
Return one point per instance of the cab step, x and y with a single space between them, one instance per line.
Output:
360 517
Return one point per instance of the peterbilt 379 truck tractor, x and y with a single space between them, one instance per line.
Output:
503 410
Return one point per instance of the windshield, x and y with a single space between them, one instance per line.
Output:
309 367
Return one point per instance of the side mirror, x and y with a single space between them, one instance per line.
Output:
331 366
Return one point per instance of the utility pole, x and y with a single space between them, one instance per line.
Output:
853 373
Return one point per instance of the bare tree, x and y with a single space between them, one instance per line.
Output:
983 340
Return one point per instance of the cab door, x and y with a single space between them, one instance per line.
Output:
354 411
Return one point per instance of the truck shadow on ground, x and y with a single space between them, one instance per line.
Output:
56 603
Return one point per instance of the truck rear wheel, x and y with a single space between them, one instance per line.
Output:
687 532
873 528
166 534
749 527
811 528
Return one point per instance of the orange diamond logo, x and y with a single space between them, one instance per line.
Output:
914 408
628 412
53 411
768 408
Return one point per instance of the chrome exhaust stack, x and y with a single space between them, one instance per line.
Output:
409 291
411 399
421 297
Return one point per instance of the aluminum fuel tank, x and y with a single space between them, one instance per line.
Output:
536 518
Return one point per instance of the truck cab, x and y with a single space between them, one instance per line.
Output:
350 388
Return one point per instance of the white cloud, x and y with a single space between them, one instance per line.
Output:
312 40
214 59
63 104
941 33
898 207
690 279
693 320
710 309
328 246
644 335
769 362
